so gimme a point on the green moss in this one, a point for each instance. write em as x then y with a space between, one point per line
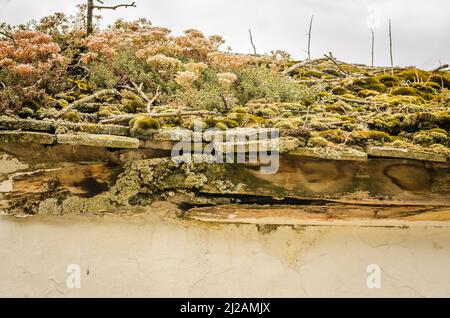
72 116
434 85
270 113
230 123
442 79
405 91
312 74
442 119
287 124
368 93
336 135
420 121
133 105
33 104
340 107
62 103
392 124
66 97
25 112
83 86
106 111
318 142
338 90
370 83
332 72
221 126
143 123
239 109
399 100
414 75
431 137
388 80
245 119
368 137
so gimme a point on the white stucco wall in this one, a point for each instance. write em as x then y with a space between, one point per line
153 255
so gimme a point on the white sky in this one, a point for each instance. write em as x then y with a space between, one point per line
421 29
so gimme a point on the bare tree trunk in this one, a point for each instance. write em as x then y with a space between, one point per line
309 36
90 17
90 12
373 45
390 47
251 41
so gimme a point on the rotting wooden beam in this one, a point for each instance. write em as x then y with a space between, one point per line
350 215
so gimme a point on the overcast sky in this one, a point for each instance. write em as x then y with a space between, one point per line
421 28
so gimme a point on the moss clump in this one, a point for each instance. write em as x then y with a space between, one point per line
405 91
368 93
442 119
64 96
106 111
370 83
25 112
221 126
239 110
390 124
414 75
311 73
143 123
297 133
368 137
340 107
388 80
62 103
332 72
399 100
431 137
442 79
72 117
336 136
270 113
244 119
434 85
420 121
318 142
287 124
133 105
338 90
230 123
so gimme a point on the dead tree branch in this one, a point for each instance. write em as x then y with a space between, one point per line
149 102
302 64
373 45
251 41
309 36
390 47
440 68
88 99
332 59
90 12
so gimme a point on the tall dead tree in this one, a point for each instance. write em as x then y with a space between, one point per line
251 41
309 36
91 6
390 47
373 45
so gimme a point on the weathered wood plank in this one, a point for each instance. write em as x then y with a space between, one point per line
377 181
323 215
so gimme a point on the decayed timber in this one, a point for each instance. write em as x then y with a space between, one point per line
376 181
336 214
